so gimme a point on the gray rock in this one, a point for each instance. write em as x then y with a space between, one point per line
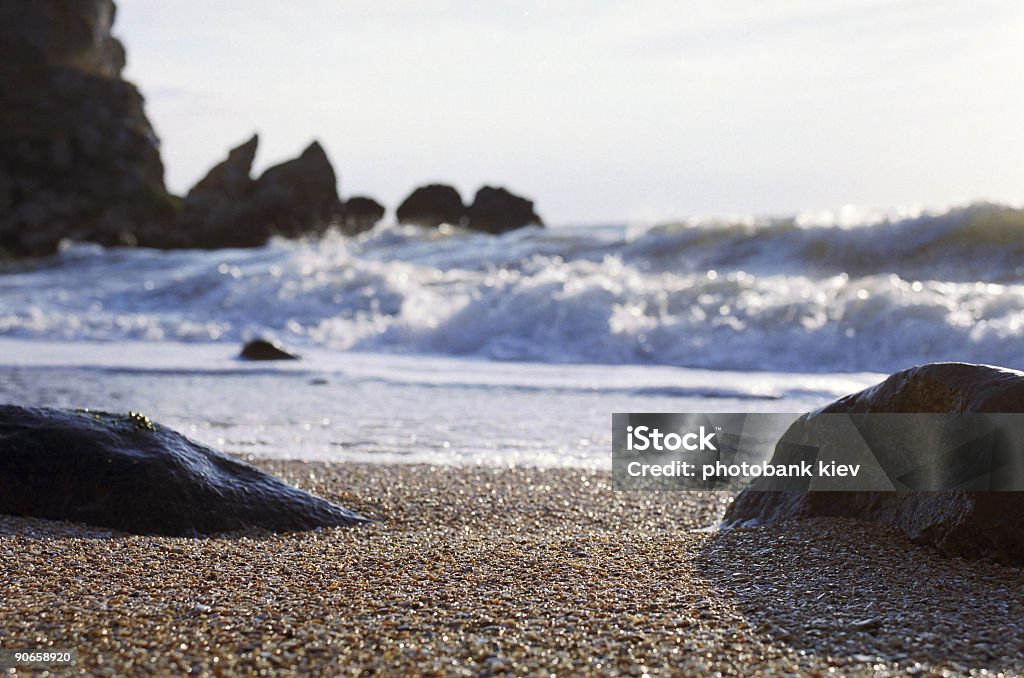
230 180
128 473
969 524
214 209
228 208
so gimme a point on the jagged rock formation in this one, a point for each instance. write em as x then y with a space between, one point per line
228 208
80 160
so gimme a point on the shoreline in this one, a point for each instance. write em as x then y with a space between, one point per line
470 570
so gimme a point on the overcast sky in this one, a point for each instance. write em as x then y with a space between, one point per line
601 111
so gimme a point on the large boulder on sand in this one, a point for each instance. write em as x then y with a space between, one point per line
431 206
78 157
496 210
128 473
970 524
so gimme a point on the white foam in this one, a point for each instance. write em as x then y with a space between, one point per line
748 295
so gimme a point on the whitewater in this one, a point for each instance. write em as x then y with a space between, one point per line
450 346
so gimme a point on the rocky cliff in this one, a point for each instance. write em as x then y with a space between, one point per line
78 157
80 160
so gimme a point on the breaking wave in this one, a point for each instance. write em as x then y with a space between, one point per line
797 294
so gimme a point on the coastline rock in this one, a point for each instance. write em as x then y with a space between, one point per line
969 524
360 214
261 349
432 205
229 180
78 156
297 197
228 208
130 474
213 214
496 210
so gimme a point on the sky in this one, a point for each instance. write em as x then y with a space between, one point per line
600 111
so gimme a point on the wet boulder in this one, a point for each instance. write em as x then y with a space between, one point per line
432 205
128 473
957 522
261 349
496 210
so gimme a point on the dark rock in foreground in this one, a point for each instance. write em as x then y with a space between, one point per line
496 210
431 206
261 349
959 523
127 473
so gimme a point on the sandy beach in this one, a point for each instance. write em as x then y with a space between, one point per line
490 571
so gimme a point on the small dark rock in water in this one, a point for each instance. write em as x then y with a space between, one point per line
496 210
431 206
969 524
131 474
261 349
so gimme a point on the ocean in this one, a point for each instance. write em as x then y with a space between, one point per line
462 348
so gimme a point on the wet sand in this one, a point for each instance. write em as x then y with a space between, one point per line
470 571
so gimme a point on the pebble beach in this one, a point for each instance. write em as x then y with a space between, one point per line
482 571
